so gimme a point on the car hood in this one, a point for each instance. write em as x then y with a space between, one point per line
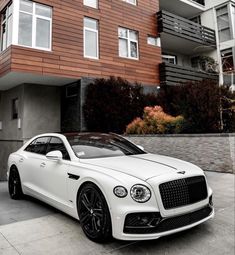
144 166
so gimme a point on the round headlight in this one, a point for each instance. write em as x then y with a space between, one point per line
140 193
120 191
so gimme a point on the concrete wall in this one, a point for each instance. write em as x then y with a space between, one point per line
6 148
41 110
212 3
210 152
10 128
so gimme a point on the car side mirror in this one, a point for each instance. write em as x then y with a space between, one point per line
140 147
54 155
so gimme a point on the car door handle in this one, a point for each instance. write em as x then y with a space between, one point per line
43 164
21 160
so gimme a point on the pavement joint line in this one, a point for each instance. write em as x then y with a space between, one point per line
10 244
121 247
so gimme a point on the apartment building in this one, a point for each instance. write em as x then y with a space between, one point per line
50 50
223 13
198 40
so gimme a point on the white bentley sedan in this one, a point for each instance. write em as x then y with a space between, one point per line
112 186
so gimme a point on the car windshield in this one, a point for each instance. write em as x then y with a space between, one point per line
88 145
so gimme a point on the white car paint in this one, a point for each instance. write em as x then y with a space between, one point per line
48 181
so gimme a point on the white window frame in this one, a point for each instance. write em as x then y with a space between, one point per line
5 21
169 57
84 38
92 6
157 40
34 26
129 40
15 26
228 9
232 18
130 2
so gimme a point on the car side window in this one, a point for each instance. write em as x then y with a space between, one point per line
56 144
38 146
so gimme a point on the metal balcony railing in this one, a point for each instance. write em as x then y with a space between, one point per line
171 74
184 28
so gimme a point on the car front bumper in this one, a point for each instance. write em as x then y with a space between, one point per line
119 230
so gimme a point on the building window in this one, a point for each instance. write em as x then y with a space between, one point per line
91 3
128 43
32 25
227 60
134 2
15 108
171 59
35 25
6 27
233 20
153 40
91 38
223 24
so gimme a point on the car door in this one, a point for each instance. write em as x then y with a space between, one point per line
54 174
30 164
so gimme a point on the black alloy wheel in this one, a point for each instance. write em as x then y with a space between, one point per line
94 214
14 184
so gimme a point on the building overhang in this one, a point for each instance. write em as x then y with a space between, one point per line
13 79
183 8
173 44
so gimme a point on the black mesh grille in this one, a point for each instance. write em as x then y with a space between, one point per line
183 192
168 224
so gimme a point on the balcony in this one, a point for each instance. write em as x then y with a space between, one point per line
183 35
171 74
183 8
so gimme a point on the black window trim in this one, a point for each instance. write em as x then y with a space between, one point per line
49 140
63 144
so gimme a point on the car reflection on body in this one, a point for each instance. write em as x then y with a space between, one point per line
112 186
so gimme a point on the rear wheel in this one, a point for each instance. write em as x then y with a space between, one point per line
14 184
94 214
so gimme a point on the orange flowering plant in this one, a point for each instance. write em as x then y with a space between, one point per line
156 121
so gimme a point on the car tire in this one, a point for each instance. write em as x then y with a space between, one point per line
94 214
14 184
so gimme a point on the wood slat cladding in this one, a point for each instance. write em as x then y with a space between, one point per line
66 57
5 62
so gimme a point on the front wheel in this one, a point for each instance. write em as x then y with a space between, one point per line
14 185
94 214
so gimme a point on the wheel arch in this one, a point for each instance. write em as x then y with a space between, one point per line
99 186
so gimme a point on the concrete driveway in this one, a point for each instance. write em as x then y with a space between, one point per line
31 227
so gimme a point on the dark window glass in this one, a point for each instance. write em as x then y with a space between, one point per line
102 145
56 144
38 146
15 108
227 60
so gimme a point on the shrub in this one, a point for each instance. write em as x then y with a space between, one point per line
155 121
201 104
112 103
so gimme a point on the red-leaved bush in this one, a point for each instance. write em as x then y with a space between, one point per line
156 121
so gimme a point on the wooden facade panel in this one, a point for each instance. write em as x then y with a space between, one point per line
5 62
66 57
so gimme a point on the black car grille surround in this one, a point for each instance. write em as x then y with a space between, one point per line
183 192
158 225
